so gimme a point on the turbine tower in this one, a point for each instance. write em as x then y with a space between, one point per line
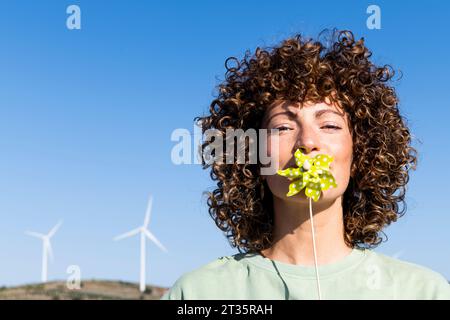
46 248
144 232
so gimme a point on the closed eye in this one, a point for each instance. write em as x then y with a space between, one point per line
331 127
283 128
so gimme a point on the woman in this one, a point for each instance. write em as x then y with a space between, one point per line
323 100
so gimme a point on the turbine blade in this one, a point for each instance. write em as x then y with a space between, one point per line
128 234
35 234
54 229
155 241
148 212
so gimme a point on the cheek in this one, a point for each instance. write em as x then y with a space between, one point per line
280 150
278 185
341 168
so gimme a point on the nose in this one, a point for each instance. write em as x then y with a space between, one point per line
307 142
305 149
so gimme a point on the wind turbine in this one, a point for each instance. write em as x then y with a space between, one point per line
46 248
144 232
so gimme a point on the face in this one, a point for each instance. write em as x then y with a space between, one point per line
315 129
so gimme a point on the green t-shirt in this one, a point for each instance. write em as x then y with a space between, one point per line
363 274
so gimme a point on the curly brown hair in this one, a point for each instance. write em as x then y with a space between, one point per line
301 70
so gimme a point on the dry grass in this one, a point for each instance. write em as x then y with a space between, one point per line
90 290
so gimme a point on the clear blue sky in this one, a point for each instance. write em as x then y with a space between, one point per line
86 117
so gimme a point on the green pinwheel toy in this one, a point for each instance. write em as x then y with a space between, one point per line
313 174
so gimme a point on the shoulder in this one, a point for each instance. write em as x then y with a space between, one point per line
207 280
410 280
400 268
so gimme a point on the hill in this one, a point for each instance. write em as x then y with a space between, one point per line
90 290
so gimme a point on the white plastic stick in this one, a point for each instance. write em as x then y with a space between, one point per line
314 249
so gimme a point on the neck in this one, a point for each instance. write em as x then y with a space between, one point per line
292 238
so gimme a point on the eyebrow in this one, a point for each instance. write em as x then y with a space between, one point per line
317 114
